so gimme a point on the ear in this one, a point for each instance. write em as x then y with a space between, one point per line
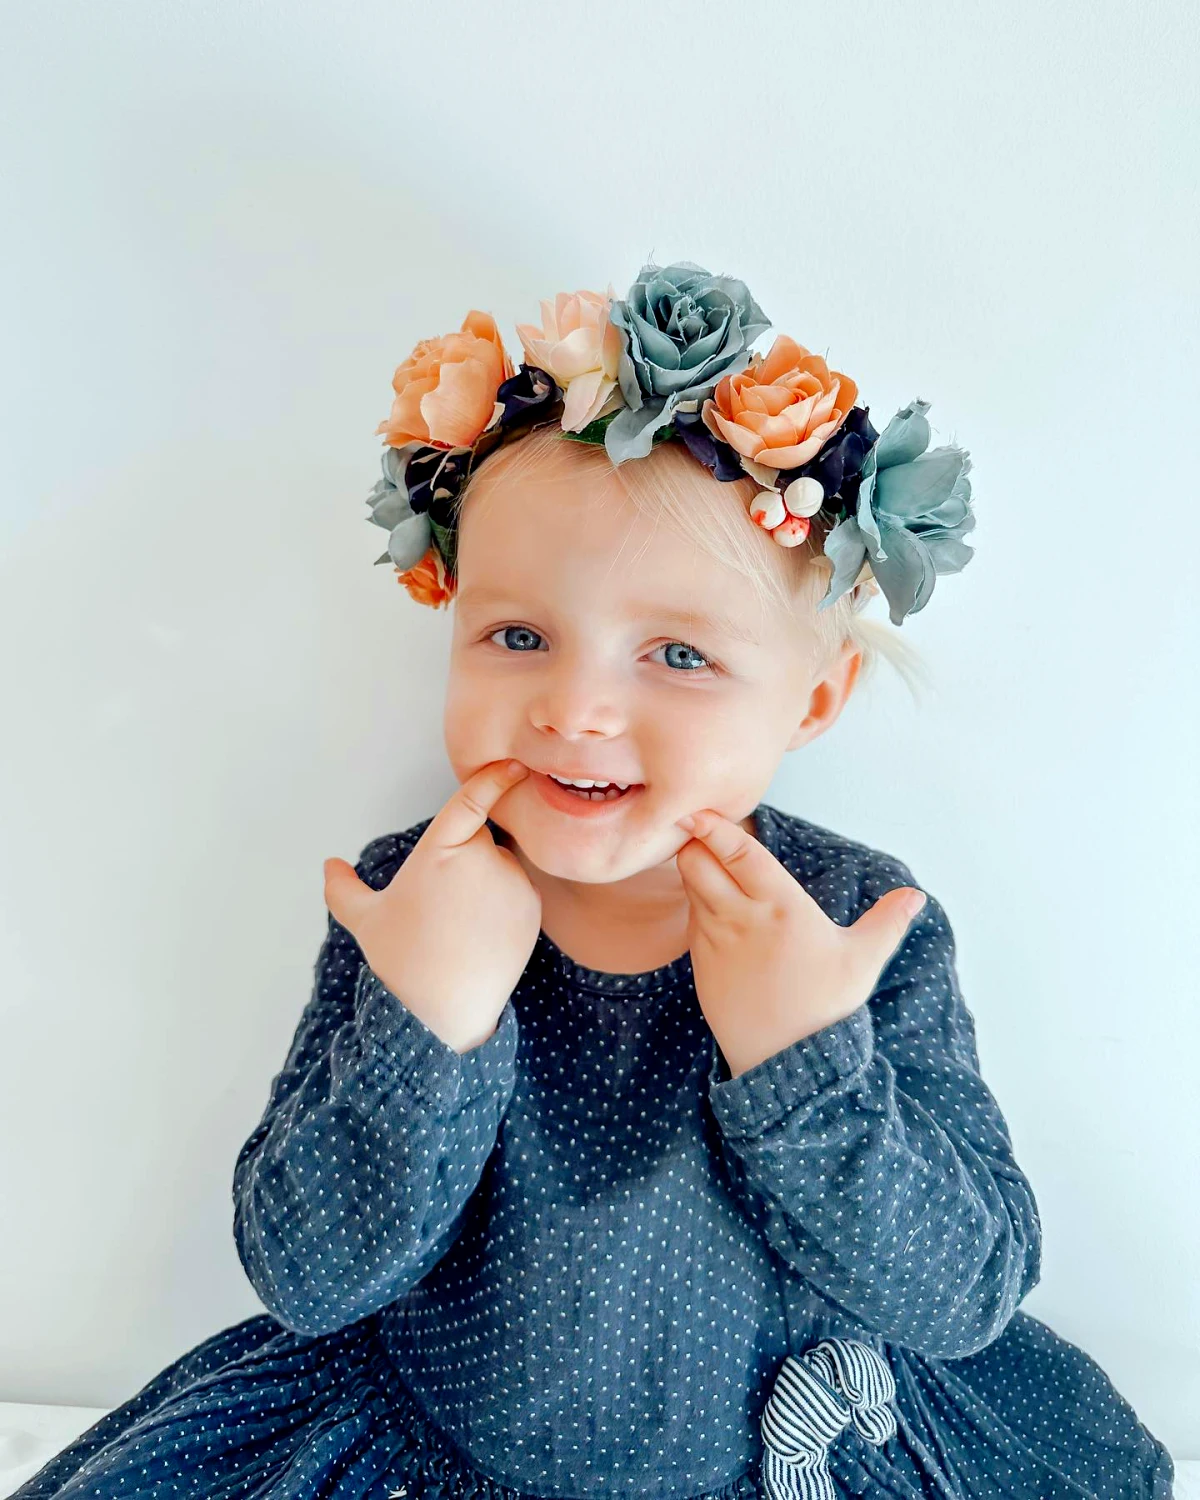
829 695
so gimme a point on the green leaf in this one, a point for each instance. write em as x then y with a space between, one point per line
446 540
594 431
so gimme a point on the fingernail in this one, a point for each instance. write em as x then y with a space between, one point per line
687 821
515 765
914 903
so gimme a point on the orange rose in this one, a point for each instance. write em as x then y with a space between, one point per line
780 411
427 582
446 388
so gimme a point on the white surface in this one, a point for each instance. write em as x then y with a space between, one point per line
29 1435
228 223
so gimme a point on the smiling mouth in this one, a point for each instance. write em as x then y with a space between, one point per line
554 788
596 794
600 786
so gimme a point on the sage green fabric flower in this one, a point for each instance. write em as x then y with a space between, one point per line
684 329
409 533
913 509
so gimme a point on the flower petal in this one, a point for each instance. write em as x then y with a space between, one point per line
630 434
920 486
409 541
905 573
948 553
738 435
791 457
844 547
459 409
575 354
586 394
905 437
389 505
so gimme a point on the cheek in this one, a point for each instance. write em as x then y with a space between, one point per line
700 740
711 760
476 722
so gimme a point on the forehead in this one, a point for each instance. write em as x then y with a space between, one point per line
569 538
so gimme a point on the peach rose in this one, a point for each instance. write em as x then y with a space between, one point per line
579 348
446 388
780 411
427 581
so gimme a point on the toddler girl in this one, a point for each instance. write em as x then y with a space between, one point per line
633 1141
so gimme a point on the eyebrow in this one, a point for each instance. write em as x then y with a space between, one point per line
709 620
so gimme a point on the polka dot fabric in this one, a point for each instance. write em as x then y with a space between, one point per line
570 1262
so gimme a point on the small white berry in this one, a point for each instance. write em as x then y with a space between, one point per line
767 509
804 497
792 531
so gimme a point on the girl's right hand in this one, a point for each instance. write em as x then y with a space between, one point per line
452 932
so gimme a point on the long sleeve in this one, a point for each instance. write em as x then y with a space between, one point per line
356 1180
876 1162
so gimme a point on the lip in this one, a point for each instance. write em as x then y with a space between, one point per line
580 807
582 776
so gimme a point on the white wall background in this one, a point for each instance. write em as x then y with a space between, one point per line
226 224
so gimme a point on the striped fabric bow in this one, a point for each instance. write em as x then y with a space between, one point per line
835 1382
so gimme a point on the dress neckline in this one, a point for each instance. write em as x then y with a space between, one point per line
667 977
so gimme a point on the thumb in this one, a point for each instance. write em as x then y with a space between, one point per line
883 927
346 896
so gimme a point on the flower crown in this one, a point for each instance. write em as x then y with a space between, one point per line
672 362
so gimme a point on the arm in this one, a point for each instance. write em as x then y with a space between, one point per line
356 1180
876 1161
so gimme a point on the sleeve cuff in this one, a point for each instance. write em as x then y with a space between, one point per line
410 1054
762 1095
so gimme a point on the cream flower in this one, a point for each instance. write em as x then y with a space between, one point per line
579 347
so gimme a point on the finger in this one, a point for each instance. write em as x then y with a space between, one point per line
346 896
883 927
751 867
708 885
468 809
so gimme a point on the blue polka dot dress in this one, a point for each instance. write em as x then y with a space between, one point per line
582 1260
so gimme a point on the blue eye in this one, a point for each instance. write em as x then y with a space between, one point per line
700 661
513 630
699 655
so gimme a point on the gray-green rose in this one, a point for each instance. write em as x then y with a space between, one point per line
913 509
684 330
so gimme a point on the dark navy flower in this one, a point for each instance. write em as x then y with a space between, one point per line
837 468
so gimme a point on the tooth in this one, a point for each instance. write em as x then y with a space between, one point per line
584 785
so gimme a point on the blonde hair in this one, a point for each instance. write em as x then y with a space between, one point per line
671 486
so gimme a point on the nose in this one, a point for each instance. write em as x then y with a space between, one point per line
574 699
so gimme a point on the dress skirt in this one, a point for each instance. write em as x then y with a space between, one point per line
258 1412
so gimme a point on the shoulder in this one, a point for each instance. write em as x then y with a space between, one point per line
843 874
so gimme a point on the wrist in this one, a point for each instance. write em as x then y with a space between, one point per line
754 1045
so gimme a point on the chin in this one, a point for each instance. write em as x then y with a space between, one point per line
570 849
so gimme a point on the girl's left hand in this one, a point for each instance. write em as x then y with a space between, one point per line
770 966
